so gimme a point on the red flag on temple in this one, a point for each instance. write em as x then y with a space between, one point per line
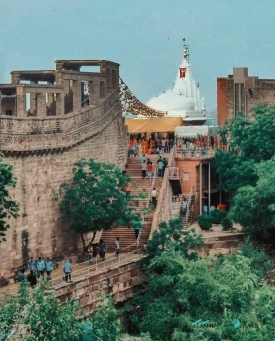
182 72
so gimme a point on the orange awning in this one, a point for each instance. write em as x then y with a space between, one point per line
153 125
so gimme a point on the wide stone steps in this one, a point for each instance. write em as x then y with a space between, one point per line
126 235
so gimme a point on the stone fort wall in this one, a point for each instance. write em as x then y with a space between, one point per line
42 152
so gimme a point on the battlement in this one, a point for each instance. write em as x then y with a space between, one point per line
42 93
28 134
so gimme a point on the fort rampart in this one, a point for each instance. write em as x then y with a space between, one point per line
42 147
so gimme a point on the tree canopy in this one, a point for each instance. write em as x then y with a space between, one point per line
94 199
249 142
254 206
172 235
226 292
247 170
8 207
37 315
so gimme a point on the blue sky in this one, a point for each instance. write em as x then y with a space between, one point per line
144 36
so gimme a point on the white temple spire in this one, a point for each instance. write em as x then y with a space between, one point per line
184 99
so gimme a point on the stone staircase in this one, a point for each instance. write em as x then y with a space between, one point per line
126 235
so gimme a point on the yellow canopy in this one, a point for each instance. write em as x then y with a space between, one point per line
153 125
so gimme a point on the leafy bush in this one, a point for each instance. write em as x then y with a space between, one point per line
227 223
220 290
217 216
259 260
205 222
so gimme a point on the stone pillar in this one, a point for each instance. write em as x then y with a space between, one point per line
102 89
108 80
115 83
76 95
91 92
0 103
41 104
96 99
20 102
60 104
15 79
50 99
33 99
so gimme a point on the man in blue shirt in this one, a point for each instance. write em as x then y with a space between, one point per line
32 266
22 278
143 159
67 270
48 267
40 266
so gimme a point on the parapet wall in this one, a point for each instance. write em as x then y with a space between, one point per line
50 133
121 281
42 152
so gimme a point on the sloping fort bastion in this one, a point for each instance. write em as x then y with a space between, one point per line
49 120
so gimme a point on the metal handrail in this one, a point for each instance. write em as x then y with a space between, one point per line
157 215
147 203
196 152
93 268
186 218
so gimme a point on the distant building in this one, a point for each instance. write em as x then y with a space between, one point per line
241 93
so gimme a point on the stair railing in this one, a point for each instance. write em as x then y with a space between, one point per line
147 203
163 211
186 218
99 265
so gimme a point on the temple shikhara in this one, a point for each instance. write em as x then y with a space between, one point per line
184 99
181 105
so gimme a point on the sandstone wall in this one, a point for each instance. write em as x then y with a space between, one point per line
122 281
42 161
263 94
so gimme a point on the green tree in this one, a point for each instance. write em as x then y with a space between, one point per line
172 235
223 291
106 324
254 206
249 142
94 200
8 207
36 315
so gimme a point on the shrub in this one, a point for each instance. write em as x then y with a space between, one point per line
227 223
205 222
217 216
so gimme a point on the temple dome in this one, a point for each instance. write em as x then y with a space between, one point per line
171 101
184 99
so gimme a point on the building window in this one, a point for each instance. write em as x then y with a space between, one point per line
185 176
9 112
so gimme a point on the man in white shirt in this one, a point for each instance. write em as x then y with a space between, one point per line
163 145
192 148
184 206
154 195
117 246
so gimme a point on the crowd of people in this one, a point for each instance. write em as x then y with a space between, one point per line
37 269
96 249
151 145
147 166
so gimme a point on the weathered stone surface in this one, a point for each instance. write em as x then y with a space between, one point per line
89 294
42 151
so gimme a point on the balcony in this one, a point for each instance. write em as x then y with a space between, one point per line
197 153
